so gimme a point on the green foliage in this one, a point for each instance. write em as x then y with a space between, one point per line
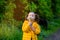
32 7
57 8
45 10
9 32
9 10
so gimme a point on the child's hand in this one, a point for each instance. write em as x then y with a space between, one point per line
30 24
33 29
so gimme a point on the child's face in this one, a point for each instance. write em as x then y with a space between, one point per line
31 16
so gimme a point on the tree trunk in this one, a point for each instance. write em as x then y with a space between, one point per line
18 11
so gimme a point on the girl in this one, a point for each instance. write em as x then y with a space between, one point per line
30 27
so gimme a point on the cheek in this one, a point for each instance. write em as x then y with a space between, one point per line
28 17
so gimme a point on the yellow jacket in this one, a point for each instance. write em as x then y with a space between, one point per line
28 34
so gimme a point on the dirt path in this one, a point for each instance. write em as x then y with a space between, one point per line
55 36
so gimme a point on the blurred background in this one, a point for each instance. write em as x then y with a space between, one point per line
13 12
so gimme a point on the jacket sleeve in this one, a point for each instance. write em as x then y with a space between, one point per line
37 29
25 27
